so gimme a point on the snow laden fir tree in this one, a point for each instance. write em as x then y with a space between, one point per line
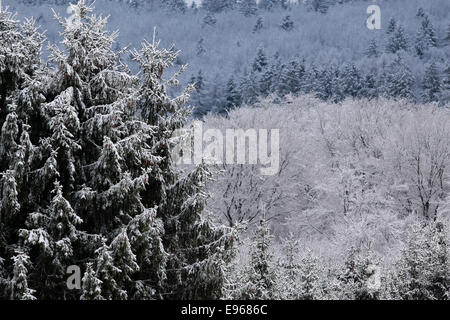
86 174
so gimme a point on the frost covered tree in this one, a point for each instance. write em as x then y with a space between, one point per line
372 50
370 88
269 4
398 80
90 172
423 272
233 96
258 25
431 84
351 82
200 97
261 273
445 97
175 5
426 37
19 283
260 61
309 278
215 6
195 245
290 269
359 268
323 84
287 24
91 285
397 41
392 25
54 236
22 78
318 5
248 7
420 13
201 47
291 77
447 36
269 80
209 20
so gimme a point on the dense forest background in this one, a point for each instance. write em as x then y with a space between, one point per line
358 210
238 52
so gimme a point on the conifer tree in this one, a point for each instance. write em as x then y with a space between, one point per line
423 273
194 244
233 96
88 173
19 283
199 96
370 88
248 7
447 37
289 283
439 261
215 6
398 81
260 61
260 272
287 24
309 276
107 272
372 50
420 13
270 79
291 77
269 4
234 280
22 82
397 41
53 234
258 25
312 76
209 20
413 272
392 25
175 5
359 268
319 5
431 84
445 97
351 81
91 285
323 84
200 47
426 37
249 87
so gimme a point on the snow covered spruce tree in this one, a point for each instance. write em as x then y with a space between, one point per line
355 279
426 36
248 7
431 83
19 282
196 249
289 282
260 274
101 189
310 277
398 41
21 81
423 272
